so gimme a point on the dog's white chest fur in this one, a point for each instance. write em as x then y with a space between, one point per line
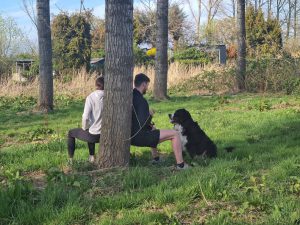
183 138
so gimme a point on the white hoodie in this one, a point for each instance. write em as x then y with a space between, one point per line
92 114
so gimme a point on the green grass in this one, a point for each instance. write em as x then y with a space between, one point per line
257 183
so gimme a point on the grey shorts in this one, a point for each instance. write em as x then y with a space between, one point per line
146 138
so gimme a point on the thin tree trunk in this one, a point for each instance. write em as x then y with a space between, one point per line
288 24
45 54
233 8
269 8
161 59
241 53
116 125
278 8
295 19
199 21
208 26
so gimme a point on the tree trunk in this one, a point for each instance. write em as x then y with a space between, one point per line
116 125
241 54
198 22
45 54
233 8
295 19
278 8
161 59
288 24
269 8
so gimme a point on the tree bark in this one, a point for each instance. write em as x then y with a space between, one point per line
45 54
116 125
288 24
295 19
161 59
241 54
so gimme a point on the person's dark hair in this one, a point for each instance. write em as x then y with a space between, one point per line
100 83
140 78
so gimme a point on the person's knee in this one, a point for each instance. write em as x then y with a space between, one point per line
175 133
70 133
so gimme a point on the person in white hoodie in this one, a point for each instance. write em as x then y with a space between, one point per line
91 122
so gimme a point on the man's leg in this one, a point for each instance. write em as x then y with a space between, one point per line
71 143
83 135
173 135
154 152
92 151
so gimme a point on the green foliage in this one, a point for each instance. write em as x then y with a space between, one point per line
192 56
99 53
19 103
71 42
273 75
141 58
263 37
208 81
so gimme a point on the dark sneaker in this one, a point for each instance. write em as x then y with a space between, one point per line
185 166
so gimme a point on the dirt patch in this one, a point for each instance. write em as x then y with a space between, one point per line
38 179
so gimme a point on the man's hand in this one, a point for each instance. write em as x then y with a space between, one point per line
153 127
151 111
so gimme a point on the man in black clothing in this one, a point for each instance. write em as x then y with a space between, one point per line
143 133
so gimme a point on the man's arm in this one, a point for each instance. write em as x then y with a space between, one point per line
86 114
142 110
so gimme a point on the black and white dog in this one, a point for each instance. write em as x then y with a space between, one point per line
193 138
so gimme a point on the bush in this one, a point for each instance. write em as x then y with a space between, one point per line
273 75
191 56
141 58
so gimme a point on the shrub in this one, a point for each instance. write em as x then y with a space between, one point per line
191 56
141 58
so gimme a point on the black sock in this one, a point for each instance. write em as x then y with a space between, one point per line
156 158
180 165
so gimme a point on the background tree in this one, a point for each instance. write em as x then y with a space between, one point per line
98 37
45 55
264 36
145 23
71 41
177 23
13 42
241 53
116 127
161 58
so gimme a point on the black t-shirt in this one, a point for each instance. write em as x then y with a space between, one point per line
140 113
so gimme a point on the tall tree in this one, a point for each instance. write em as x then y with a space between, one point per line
177 23
161 58
241 54
71 41
115 135
45 54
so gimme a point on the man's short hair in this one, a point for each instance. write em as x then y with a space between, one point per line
140 78
100 83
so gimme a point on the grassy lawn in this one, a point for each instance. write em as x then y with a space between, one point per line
257 183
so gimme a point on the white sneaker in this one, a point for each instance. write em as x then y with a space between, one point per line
70 161
91 159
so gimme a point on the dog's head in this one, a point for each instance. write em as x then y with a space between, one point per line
180 116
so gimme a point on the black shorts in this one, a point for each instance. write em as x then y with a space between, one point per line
146 138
